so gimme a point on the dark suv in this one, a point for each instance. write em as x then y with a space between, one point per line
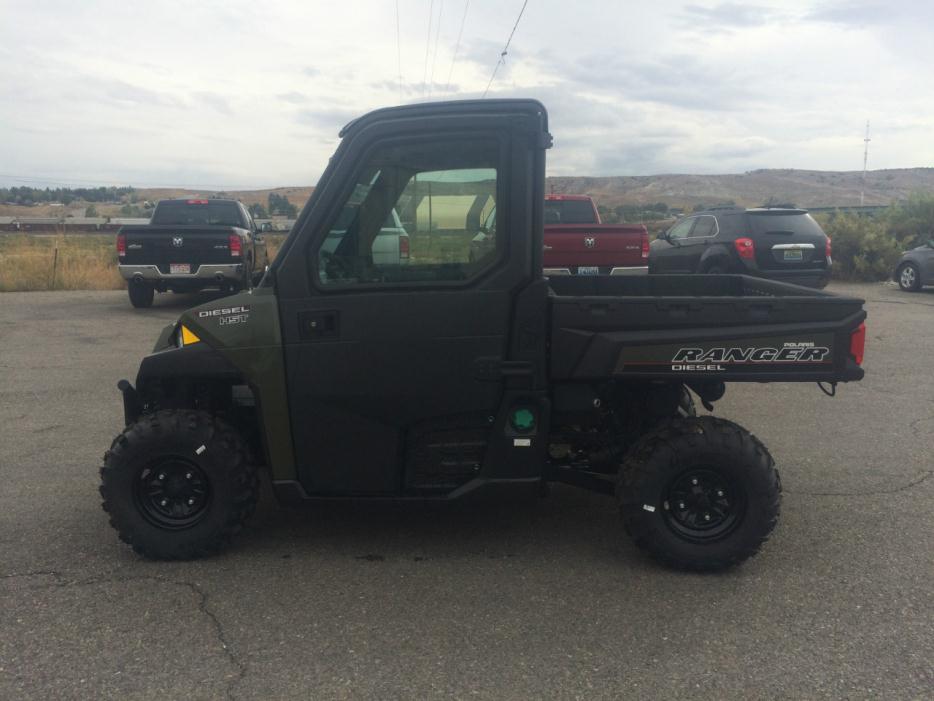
775 242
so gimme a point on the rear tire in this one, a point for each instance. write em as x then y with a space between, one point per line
178 484
699 494
141 294
909 277
714 269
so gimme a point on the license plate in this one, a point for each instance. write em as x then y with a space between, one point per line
794 254
180 268
588 270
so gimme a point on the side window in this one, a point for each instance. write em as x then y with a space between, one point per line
681 229
422 212
706 226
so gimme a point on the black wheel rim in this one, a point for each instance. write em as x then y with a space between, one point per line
173 494
703 504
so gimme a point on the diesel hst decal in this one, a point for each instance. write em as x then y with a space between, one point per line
223 311
228 315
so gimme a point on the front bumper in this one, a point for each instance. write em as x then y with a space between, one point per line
222 271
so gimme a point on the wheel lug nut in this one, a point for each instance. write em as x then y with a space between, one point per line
719 492
694 481
164 502
187 475
680 504
191 501
706 517
161 476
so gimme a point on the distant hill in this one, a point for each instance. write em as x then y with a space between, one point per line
804 188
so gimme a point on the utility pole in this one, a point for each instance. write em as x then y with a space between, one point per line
862 187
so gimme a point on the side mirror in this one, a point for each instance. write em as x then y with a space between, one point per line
931 243
663 236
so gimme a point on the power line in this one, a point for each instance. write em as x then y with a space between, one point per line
434 57
457 46
431 13
502 56
399 52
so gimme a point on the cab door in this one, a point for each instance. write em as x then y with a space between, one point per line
387 360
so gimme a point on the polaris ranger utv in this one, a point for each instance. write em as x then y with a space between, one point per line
347 377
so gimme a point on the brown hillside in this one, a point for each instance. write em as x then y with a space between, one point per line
804 188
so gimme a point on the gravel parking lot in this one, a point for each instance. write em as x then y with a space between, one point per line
546 599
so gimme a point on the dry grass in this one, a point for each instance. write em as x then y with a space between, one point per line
83 262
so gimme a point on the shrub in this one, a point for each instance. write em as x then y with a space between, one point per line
862 247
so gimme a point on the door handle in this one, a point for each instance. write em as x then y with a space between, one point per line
319 325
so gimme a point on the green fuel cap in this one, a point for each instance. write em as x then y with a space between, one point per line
523 420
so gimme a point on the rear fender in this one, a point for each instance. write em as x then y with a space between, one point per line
716 255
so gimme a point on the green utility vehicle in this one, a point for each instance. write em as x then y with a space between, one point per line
456 371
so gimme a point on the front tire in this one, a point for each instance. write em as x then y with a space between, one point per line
909 277
699 494
141 294
178 484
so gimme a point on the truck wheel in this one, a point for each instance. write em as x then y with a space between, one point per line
909 277
178 484
141 294
699 494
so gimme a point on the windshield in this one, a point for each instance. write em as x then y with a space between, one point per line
197 212
569 212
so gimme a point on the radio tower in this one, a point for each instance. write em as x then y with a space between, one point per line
862 186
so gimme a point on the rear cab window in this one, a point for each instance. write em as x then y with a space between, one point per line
569 212
198 213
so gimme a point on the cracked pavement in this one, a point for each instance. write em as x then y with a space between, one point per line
492 600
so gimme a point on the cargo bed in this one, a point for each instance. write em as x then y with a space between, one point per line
702 327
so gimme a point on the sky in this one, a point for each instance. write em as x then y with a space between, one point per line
236 95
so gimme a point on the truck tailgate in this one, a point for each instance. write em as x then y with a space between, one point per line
593 245
166 245
702 327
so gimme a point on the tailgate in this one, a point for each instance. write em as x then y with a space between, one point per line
165 246
743 330
593 245
788 241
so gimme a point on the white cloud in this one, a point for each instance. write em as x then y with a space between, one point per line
231 94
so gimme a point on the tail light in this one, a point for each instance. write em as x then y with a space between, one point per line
403 247
121 245
234 245
746 248
827 250
645 244
858 343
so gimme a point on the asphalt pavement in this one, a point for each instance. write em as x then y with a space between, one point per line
492 601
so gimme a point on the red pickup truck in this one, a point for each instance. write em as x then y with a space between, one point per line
578 243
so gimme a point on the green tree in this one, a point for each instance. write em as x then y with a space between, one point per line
279 204
90 211
258 211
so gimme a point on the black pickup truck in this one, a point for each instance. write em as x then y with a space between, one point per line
343 375
191 244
